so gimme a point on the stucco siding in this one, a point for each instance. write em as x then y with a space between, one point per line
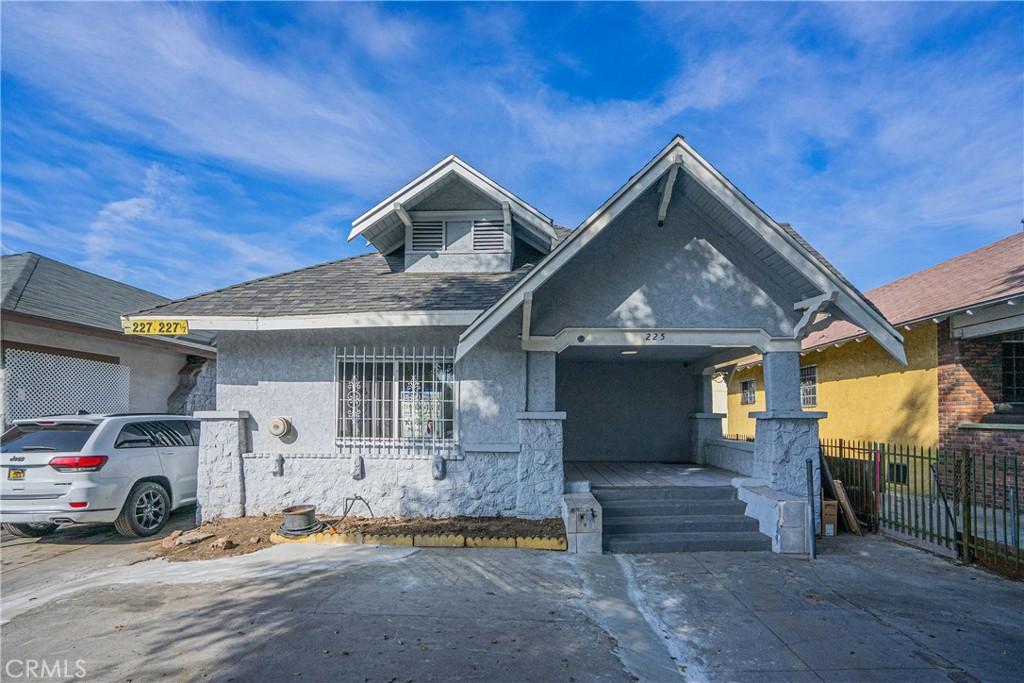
482 484
684 274
866 393
292 374
153 372
626 411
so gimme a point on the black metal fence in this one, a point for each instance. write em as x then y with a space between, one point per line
955 502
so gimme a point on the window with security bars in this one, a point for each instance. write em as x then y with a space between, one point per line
809 386
396 395
748 392
1013 368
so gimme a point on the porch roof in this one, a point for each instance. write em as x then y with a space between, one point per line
812 275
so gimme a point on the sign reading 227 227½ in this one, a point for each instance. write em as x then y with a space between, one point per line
157 327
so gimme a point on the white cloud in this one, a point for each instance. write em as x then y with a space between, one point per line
166 75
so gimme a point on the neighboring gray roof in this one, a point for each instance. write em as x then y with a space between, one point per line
358 284
36 285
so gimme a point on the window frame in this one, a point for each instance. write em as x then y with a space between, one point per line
1012 391
400 360
813 384
752 383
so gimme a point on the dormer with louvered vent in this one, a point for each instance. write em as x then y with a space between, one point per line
454 219
459 241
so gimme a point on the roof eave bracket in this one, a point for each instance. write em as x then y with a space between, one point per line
811 307
666 191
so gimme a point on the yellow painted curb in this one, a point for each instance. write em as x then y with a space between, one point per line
278 538
490 542
370 539
326 538
439 541
426 540
536 543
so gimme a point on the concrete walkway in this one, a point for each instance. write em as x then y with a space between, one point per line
869 609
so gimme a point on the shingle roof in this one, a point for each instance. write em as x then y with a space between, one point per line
358 284
990 273
36 285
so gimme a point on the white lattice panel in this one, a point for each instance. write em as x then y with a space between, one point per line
47 384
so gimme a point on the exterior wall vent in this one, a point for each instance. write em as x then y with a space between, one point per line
489 235
428 235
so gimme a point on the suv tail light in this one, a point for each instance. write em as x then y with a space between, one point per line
78 463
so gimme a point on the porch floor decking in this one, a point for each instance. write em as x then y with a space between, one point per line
639 474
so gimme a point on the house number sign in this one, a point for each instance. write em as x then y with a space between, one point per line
654 337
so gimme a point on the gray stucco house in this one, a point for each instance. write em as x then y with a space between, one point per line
481 350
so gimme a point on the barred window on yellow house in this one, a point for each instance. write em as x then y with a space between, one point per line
748 392
809 386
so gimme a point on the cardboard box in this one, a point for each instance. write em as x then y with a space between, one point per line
829 517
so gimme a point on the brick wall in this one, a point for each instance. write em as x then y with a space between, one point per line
970 384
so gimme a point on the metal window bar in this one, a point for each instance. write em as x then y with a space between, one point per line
396 396
809 386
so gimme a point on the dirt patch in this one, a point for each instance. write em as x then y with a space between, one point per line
245 534
500 527
249 534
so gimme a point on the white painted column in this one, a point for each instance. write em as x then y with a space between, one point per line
540 381
223 439
782 380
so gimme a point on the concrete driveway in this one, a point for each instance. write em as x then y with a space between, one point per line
867 610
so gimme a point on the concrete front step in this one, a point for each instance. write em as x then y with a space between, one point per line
612 509
678 523
663 493
686 542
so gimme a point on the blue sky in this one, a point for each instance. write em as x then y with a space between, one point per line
186 147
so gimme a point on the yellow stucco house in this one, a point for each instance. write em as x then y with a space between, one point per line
963 326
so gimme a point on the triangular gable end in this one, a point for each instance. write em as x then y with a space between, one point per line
382 225
679 156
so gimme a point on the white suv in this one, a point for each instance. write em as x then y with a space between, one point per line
131 470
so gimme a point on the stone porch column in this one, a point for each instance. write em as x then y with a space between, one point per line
540 474
223 438
785 435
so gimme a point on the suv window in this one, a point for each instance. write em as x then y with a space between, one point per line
175 433
146 434
65 438
136 435
193 426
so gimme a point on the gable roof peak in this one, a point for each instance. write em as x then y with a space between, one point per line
379 224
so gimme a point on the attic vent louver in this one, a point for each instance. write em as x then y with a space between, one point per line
489 235
428 235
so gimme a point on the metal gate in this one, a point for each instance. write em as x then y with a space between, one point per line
956 502
38 384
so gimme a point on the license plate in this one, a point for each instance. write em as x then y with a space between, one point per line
157 327
15 474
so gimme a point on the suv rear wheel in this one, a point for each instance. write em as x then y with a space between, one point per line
145 512
31 530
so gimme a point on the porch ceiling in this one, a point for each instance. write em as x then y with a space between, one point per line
681 354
